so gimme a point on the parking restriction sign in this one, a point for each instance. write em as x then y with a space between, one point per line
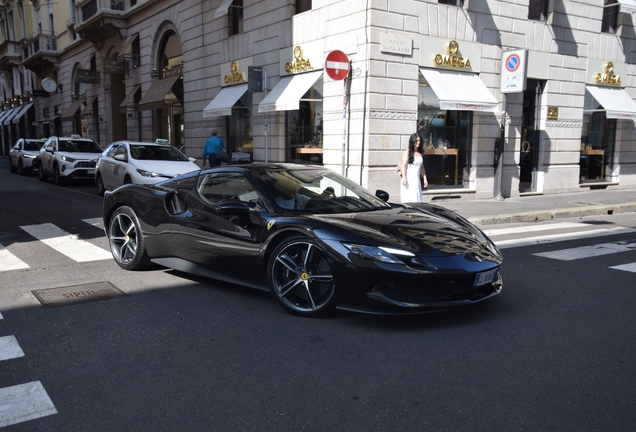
513 71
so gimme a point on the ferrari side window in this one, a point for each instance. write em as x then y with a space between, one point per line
216 188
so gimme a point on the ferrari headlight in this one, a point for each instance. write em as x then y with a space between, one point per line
147 173
382 254
68 159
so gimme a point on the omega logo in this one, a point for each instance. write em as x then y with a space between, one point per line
235 76
299 64
452 59
608 77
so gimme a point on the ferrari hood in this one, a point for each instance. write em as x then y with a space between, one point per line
423 228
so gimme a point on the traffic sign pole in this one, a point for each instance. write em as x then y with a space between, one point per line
337 66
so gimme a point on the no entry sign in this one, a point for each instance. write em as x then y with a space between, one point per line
337 65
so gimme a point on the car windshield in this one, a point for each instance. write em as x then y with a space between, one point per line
32 145
155 152
318 190
79 146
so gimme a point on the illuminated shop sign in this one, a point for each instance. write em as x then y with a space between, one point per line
452 59
608 76
299 64
235 76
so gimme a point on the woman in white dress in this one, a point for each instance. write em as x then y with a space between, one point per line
411 168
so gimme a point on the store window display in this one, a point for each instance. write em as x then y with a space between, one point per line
305 128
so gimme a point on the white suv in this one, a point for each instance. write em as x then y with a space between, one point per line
68 158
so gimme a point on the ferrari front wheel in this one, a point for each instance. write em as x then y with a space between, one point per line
126 240
300 277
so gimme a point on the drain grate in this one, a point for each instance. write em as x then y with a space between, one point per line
76 294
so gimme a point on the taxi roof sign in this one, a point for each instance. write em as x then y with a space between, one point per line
161 141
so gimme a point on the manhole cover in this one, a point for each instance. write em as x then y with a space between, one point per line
75 294
584 203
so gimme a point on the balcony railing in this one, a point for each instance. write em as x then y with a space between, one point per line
92 7
39 42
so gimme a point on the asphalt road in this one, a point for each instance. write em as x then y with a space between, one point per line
554 351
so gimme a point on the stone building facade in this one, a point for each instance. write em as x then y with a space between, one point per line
146 69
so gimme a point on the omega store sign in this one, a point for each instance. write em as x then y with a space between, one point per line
302 58
456 55
235 72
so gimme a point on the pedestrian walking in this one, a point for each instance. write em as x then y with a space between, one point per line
212 147
412 171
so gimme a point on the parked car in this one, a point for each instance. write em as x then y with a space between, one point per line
23 155
67 158
313 238
141 163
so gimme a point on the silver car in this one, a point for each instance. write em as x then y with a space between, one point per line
141 163
23 155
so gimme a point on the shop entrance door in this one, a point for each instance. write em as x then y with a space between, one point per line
530 137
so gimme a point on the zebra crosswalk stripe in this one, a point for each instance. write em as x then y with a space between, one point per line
24 402
588 251
631 267
67 244
8 261
9 348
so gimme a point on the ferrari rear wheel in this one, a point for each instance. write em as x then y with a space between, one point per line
301 278
126 240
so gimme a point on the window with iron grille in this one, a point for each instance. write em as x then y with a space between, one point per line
538 10
610 17
235 17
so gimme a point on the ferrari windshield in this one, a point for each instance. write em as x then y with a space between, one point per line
316 190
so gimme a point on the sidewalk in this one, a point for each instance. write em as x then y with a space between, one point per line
544 207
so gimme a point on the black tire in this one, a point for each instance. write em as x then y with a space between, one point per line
127 241
43 177
301 279
99 184
57 178
21 168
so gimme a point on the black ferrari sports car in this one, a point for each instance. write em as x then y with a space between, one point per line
314 238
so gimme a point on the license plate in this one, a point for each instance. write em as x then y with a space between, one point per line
485 278
90 171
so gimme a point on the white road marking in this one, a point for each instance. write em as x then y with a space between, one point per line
8 261
589 251
530 241
626 267
534 228
67 244
24 402
96 222
1 317
9 348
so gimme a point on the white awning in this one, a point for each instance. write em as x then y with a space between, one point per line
20 113
222 10
6 114
286 94
628 6
222 104
617 103
460 91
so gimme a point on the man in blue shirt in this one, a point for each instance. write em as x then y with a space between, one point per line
211 148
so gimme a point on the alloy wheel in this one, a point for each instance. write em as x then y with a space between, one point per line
126 240
301 278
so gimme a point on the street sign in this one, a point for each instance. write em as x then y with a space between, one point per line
513 71
337 65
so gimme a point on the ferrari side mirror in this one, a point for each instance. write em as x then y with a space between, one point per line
383 195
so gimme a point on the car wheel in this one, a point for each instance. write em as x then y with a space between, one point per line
99 183
43 177
301 278
126 240
57 178
21 168
12 167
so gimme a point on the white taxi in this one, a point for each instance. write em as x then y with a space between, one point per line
143 163
23 154
67 158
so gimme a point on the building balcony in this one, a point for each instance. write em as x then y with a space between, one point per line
10 55
39 53
99 20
